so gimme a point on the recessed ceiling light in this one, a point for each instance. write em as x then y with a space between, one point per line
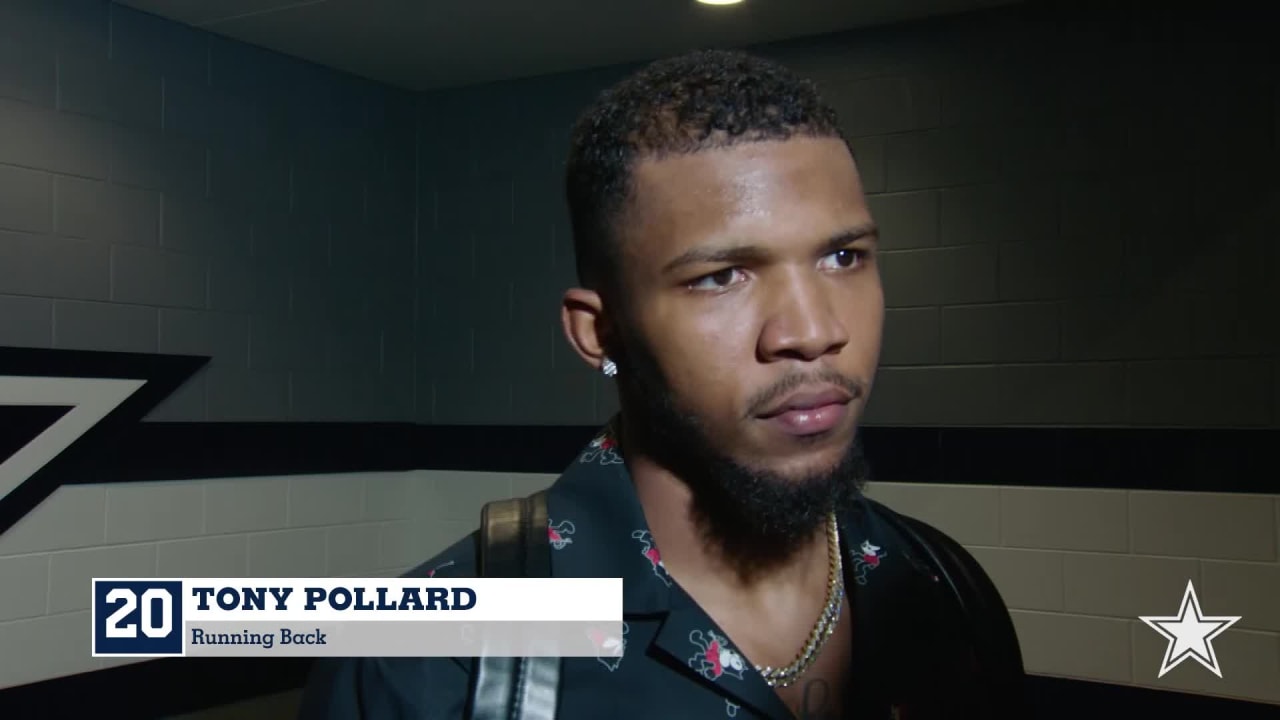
719 2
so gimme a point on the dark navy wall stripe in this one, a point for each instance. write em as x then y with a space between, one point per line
1187 459
169 451
1209 460
122 448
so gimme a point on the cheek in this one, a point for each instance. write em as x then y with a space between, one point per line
704 358
720 342
863 316
868 325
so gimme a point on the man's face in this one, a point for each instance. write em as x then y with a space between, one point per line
751 282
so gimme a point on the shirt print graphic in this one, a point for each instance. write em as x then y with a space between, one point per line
649 550
865 560
602 451
730 708
609 648
558 533
714 658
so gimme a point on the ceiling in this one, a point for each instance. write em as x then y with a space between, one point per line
429 44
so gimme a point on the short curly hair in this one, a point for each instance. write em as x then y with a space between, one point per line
684 104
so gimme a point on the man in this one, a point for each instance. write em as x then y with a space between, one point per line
729 285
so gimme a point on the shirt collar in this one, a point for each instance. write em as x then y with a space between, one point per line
598 529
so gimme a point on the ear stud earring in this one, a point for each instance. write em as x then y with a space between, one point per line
609 368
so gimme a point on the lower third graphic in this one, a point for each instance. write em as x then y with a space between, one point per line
1190 634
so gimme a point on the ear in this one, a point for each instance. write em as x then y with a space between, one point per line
582 313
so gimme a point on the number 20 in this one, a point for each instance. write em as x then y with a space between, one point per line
130 599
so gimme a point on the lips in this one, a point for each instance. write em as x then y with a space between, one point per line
808 400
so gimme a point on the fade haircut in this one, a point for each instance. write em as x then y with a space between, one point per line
698 101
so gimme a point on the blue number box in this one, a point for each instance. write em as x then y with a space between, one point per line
137 618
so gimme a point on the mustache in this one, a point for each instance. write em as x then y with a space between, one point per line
765 398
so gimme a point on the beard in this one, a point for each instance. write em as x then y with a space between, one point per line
758 518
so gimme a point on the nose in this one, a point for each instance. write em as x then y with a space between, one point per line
802 322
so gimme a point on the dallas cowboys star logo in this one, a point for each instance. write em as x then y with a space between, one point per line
1190 634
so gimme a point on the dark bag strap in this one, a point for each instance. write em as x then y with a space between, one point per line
996 650
513 544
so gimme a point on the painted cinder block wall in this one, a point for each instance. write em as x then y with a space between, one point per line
163 190
1068 241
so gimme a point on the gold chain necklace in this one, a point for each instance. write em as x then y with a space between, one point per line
825 627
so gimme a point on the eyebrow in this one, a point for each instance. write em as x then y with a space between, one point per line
749 254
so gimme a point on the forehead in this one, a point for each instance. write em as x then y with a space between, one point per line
767 193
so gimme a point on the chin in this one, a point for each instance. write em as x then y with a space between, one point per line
802 465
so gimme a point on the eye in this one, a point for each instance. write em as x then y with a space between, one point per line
717 280
842 259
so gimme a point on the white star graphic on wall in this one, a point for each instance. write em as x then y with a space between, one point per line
90 400
1190 634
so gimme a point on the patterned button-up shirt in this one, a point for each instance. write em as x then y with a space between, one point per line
673 661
